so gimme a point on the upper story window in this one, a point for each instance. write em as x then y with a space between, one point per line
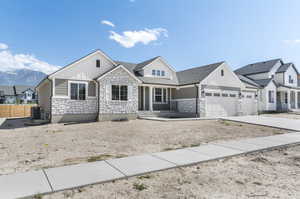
98 63
153 72
222 73
159 73
119 92
290 79
78 91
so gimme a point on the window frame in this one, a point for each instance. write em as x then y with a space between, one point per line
163 73
158 73
153 72
163 95
78 82
119 92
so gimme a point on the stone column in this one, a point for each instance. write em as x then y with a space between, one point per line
150 98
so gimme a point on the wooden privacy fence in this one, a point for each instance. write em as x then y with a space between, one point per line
13 110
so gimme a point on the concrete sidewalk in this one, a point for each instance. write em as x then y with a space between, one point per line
67 177
282 123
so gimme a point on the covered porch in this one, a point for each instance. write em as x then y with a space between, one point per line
287 98
155 98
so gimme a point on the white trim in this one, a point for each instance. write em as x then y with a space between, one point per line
158 85
78 82
119 100
80 60
53 87
120 66
150 98
187 86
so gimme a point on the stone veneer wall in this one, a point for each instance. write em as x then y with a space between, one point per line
110 109
61 106
186 105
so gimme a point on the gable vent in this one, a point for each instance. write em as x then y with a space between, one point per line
98 63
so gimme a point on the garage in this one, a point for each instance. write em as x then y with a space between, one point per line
249 105
221 103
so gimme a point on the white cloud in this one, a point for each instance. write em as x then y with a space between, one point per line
294 41
11 62
109 23
129 38
3 46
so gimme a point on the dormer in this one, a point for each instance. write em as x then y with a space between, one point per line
156 67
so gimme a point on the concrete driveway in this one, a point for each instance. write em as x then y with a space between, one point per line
276 122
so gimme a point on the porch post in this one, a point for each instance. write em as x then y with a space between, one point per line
144 95
150 99
289 99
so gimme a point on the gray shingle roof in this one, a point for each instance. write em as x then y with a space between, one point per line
259 67
145 63
283 68
248 80
196 75
263 82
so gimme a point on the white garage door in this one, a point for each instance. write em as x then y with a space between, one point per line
249 106
221 103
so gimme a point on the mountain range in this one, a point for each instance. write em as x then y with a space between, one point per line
21 77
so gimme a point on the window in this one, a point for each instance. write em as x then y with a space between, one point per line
222 73
290 79
158 72
232 95
224 95
160 95
271 96
153 72
119 92
286 98
163 73
78 91
208 94
249 96
98 63
217 94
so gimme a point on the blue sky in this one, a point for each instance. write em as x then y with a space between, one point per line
186 33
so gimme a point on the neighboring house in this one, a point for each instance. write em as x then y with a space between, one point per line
17 94
278 82
97 87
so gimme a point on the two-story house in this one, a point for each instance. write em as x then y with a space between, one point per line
97 87
278 83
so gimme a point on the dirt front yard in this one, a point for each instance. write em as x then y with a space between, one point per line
272 174
53 145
